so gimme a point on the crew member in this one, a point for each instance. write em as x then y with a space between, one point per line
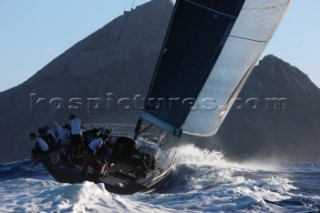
51 138
96 152
39 145
62 133
76 135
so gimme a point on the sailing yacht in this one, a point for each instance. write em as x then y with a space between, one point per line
210 49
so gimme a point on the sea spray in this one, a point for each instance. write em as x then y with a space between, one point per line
201 181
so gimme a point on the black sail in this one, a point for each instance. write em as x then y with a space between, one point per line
198 31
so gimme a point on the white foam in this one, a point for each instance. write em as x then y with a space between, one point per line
230 184
191 155
50 196
202 181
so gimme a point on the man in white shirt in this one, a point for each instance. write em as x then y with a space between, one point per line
63 134
51 138
76 135
39 145
95 145
95 148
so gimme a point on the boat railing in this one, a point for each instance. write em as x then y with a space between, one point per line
123 130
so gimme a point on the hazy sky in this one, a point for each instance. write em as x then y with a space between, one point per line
34 32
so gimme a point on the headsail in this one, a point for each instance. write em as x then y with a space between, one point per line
210 50
198 32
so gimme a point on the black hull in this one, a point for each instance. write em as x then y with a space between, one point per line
66 172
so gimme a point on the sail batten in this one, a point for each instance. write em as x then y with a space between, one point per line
249 39
212 10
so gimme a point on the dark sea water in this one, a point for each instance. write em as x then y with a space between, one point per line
202 181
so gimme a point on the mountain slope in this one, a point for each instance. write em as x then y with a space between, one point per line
119 58
289 133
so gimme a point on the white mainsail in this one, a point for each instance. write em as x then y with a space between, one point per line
250 35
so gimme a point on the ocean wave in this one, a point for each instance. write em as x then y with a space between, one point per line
202 180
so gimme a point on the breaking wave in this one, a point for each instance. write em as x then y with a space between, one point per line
201 181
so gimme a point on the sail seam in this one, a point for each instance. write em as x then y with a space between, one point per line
212 10
268 8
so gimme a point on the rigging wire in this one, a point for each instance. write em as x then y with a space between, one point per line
125 5
106 70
